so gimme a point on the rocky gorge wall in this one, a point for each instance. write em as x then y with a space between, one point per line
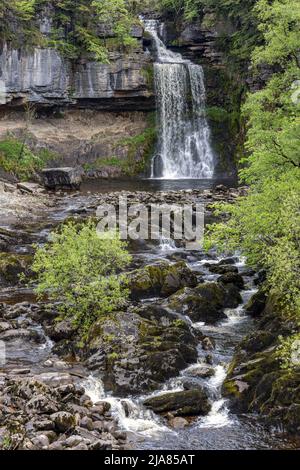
199 41
121 96
45 77
98 115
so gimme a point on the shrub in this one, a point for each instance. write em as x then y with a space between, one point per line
81 270
18 159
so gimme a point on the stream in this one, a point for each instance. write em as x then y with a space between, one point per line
220 429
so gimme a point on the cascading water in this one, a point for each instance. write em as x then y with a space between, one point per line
184 149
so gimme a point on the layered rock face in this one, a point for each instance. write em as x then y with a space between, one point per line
88 113
44 77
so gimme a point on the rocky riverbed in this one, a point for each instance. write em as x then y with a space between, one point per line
151 374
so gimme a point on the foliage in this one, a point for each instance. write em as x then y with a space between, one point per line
288 352
216 113
18 159
266 223
81 270
77 27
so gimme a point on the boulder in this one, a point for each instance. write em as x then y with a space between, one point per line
32 188
202 371
142 353
61 330
57 178
232 278
256 304
183 403
161 279
11 266
63 420
178 423
203 303
222 269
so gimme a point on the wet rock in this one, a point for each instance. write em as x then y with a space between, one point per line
256 382
208 344
57 178
54 379
232 278
178 423
228 261
29 334
61 330
14 311
203 371
256 304
260 278
203 303
192 383
142 353
222 269
185 403
4 326
63 420
161 279
232 296
12 266
19 371
101 408
209 359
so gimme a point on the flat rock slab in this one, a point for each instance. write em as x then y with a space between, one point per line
184 403
56 178
31 188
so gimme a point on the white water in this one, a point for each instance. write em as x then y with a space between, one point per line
130 414
143 424
184 149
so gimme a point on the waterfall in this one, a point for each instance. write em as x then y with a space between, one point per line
184 149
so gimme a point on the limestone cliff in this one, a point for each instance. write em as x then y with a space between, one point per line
45 77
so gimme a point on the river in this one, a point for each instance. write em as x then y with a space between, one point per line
220 429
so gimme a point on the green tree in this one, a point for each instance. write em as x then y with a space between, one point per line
266 223
82 270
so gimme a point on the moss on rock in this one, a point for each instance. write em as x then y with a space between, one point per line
12 266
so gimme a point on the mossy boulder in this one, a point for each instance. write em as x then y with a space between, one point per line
222 269
136 351
232 278
256 382
256 304
206 302
161 279
185 403
11 266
